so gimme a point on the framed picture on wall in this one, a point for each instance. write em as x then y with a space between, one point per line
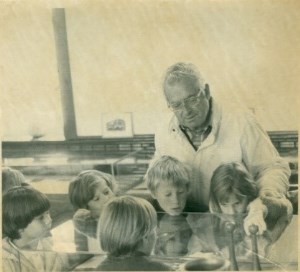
115 125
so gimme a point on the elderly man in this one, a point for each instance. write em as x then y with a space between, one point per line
205 135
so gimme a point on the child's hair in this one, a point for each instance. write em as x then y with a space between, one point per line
82 188
10 178
20 205
124 222
167 169
227 179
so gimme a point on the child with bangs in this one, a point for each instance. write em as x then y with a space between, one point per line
88 193
168 180
232 191
128 233
26 222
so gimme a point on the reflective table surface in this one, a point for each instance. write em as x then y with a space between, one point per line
200 241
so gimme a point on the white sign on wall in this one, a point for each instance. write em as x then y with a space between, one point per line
116 125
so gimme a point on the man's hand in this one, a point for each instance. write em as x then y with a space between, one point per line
280 213
257 212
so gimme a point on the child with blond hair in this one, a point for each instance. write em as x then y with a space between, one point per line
128 234
168 181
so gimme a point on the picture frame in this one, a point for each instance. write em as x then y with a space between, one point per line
117 125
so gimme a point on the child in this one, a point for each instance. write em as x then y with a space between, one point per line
128 234
11 178
168 181
232 189
88 193
27 223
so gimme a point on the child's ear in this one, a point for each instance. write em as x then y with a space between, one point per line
145 240
21 231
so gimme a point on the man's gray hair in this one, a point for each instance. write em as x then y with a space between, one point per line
182 71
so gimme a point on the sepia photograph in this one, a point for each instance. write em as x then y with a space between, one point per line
146 135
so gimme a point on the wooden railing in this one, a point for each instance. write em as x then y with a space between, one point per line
286 142
81 148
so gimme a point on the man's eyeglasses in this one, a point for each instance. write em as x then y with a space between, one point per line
191 101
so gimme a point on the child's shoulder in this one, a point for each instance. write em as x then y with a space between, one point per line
7 249
45 243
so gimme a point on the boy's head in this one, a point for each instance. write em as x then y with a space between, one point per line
127 225
25 214
231 189
90 190
10 178
168 180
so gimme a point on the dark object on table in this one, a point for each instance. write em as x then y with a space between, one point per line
207 263
229 228
253 229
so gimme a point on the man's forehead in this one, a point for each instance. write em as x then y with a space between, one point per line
181 90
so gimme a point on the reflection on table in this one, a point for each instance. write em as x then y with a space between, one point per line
201 237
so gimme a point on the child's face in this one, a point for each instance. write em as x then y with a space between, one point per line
102 194
172 199
38 228
234 205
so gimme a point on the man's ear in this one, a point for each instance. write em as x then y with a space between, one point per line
207 91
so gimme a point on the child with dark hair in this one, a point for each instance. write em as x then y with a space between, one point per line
26 222
88 193
232 191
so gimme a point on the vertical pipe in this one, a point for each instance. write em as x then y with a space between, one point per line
64 72
253 229
229 227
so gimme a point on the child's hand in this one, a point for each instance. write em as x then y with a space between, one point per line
256 214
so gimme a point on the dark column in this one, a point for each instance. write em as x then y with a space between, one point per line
64 72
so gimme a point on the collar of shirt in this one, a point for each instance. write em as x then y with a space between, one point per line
208 123
196 139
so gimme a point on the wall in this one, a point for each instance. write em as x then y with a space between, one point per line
248 51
